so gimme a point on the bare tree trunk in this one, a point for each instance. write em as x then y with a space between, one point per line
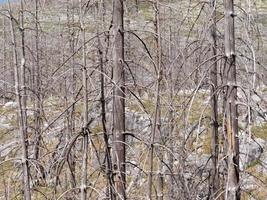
232 184
27 192
119 100
37 102
22 69
4 60
214 178
21 101
158 133
85 111
71 118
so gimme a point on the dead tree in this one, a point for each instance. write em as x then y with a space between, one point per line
85 110
37 80
232 182
4 35
21 98
71 117
118 147
214 178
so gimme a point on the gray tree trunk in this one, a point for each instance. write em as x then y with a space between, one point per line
118 147
4 60
232 184
85 111
37 78
214 179
21 101
71 118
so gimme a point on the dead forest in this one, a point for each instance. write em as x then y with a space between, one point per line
133 99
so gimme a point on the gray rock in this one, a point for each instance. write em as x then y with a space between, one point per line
136 122
250 150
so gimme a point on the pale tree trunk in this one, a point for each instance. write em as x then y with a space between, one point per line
20 98
232 184
214 177
85 111
37 102
118 100
158 134
4 60
22 69
66 127
71 118
26 174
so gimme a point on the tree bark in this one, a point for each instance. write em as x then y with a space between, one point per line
37 102
20 98
4 60
214 178
85 111
232 184
71 118
118 100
